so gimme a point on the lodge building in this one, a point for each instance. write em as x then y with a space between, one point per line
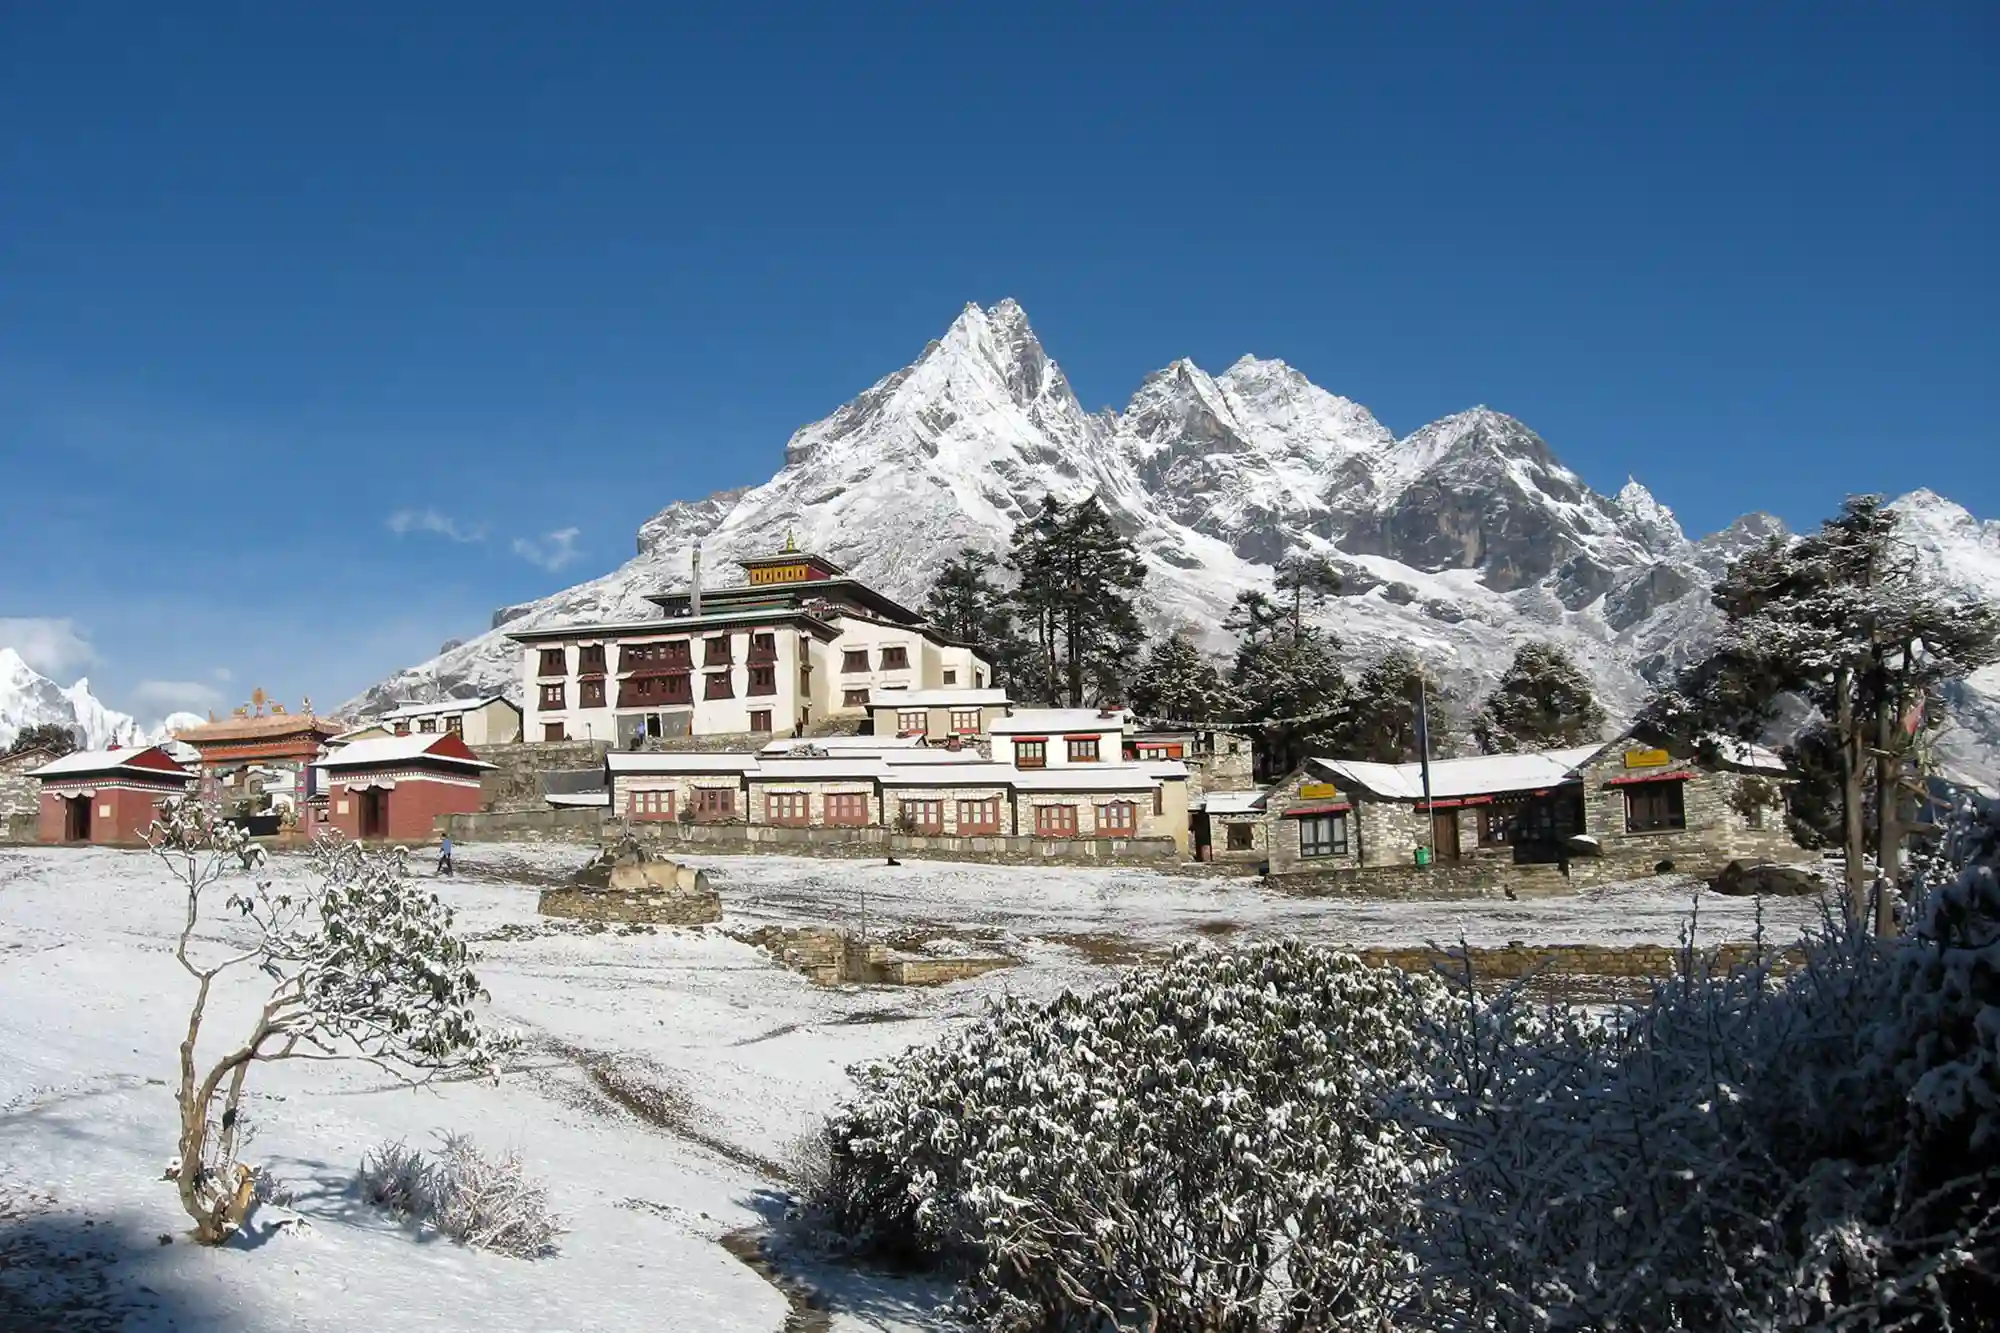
798 643
1625 807
1085 790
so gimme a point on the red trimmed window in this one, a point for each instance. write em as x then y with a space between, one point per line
714 802
1118 819
846 807
763 647
912 723
552 697
1655 807
760 718
854 699
403 725
1055 821
1323 835
1082 749
717 686
590 661
1031 754
763 679
455 724
853 660
979 816
787 807
652 805
925 816
592 693
554 663
965 721
715 651
427 725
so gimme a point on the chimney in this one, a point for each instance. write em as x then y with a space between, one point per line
694 596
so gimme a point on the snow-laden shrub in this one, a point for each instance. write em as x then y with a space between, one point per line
1196 1147
1744 1150
489 1203
395 1178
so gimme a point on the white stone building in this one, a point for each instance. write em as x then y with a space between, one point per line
489 720
799 643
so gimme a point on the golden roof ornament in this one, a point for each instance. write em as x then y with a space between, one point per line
258 699
791 543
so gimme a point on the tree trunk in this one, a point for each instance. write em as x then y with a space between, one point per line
1853 816
1888 814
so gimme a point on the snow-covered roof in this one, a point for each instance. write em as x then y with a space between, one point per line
1235 802
625 761
833 768
1481 775
399 749
1037 721
444 706
1087 777
578 798
952 697
849 743
984 774
146 759
930 755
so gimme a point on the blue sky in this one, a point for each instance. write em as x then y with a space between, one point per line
271 274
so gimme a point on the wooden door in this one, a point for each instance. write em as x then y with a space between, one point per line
374 813
76 819
1444 834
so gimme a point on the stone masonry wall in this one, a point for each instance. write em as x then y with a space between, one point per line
19 793
515 781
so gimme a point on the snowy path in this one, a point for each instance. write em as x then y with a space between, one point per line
665 1078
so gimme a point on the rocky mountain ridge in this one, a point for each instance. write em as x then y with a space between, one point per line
1458 540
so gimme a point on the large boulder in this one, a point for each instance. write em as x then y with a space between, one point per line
1744 880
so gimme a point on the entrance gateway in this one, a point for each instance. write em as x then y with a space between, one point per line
76 818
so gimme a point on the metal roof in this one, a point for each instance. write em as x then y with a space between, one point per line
448 706
395 750
1036 721
945 697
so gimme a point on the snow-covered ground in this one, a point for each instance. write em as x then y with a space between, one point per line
729 1057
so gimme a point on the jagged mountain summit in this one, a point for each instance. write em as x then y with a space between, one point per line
1459 540
28 698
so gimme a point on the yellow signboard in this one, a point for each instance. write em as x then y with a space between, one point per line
1317 791
780 574
1647 759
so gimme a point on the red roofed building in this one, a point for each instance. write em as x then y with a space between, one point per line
106 796
394 787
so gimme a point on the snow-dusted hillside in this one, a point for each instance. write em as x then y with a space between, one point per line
1461 539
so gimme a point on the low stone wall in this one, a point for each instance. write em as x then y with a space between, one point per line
1565 961
648 907
827 957
573 824
1469 879
16 828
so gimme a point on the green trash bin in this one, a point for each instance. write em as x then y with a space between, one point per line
1423 856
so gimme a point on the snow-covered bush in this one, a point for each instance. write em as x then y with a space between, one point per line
361 964
489 1203
1196 1147
395 1178
1745 1150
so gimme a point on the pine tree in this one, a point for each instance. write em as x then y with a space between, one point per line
1177 682
51 736
1305 582
965 604
1382 723
1297 691
1843 620
1076 577
1541 702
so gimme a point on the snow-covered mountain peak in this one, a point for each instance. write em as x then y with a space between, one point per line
1648 520
28 698
1957 550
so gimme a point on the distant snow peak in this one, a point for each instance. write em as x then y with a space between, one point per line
1650 521
28 699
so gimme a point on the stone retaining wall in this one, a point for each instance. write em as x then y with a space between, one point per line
515 781
1631 961
19 793
654 908
16 828
1471 879
584 824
